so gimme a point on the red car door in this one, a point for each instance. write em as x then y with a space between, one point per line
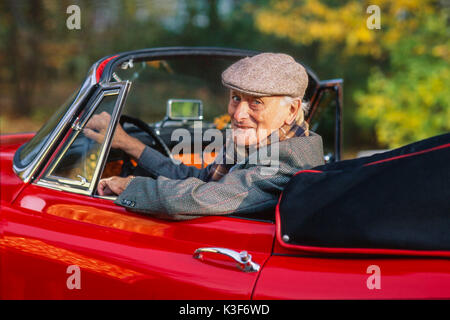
290 274
61 241
59 245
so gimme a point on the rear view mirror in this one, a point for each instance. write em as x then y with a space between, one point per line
184 109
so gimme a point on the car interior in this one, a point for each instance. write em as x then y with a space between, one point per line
181 92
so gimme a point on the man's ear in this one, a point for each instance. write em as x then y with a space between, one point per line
294 109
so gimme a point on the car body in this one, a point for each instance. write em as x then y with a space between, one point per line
59 240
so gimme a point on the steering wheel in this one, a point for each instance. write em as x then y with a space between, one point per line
128 167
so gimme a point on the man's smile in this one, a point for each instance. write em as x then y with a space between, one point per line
242 126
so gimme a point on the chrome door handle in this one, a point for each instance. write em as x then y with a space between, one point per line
243 259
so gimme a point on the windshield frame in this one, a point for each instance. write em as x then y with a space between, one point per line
27 171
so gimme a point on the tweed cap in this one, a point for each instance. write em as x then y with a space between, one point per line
267 74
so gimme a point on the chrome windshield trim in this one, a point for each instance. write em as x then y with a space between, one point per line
112 198
28 173
63 181
123 92
61 187
87 187
81 124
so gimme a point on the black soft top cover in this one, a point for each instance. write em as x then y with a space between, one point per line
393 200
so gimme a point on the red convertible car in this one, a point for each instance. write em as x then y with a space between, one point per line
354 234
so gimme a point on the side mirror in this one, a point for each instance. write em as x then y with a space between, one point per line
184 109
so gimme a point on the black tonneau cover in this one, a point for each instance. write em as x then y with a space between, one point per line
394 200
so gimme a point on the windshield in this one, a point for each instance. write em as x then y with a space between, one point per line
155 82
29 151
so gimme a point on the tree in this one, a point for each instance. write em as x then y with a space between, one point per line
411 101
405 96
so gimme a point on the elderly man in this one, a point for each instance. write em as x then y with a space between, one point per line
266 94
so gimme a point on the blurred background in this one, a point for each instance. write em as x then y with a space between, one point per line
396 78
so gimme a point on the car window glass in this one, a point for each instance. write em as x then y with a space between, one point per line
323 121
30 150
79 161
187 77
180 79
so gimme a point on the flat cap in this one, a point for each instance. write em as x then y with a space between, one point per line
267 74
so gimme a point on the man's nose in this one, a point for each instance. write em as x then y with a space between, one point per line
241 112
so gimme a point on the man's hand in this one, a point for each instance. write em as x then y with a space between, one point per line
113 185
98 125
96 130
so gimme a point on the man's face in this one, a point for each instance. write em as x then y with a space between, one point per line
254 118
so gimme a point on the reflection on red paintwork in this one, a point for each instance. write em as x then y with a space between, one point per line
52 253
108 219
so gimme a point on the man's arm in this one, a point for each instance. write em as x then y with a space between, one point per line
148 159
241 191
160 165
96 130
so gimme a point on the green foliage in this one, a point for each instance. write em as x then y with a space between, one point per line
411 100
396 78
406 96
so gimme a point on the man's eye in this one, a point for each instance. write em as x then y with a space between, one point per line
256 104
236 98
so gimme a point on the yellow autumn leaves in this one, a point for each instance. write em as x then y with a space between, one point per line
222 121
343 23
401 87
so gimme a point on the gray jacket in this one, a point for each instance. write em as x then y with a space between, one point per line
182 192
